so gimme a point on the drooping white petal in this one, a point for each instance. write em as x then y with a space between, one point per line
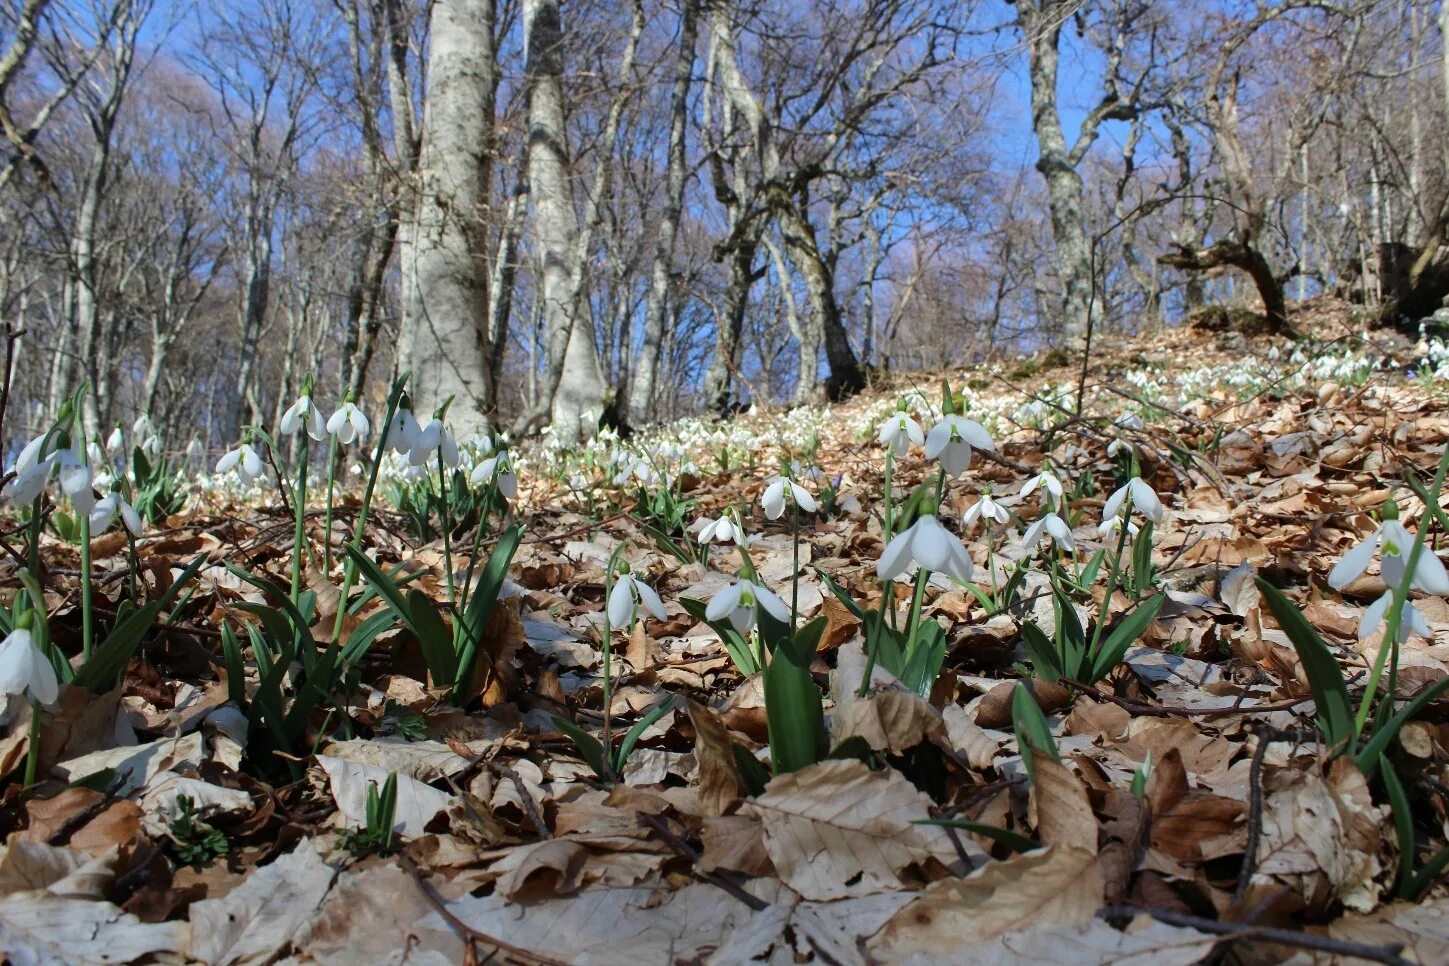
895 558
130 519
937 439
15 662
724 601
1060 532
930 543
1146 500
955 457
650 600
1113 506
774 499
1352 564
1429 573
621 603
803 499
772 603
1034 533
251 462
1373 615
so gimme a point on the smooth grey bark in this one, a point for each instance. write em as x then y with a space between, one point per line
576 399
444 333
102 107
1041 23
642 380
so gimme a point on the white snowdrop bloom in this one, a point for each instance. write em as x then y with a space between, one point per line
927 544
25 670
244 460
1395 542
116 442
105 512
304 414
1143 499
773 499
1048 481
402 432
151 446
1129 420
737 602
1410 620
985 509
76 481
628 592
1114 525
722 530
194 449
501 467
349 423
952 439
899 431
1053 526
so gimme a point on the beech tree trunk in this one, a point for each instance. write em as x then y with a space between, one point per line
445 280
577 397
641 381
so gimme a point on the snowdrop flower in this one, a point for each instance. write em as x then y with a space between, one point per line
985 509
501 467
194 450
94 454
1410 620
25 670
738 600
32 469
76 481
116 442
774 498
1395 542
1123 446
628 594
952 439
723 530
1142 499
151 446
402 432
1051 525
899 431
930 546
1129 420
1048 481
349 423
106 509
304 413
244 460
1114 525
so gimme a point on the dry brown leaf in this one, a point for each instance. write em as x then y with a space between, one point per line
838 829
1061 810
719 780
1055 886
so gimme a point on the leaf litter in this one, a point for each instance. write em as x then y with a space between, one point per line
1190 809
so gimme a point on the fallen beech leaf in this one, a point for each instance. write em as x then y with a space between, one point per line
1055 886
417 803
258 918
719 779
838 829
1062 811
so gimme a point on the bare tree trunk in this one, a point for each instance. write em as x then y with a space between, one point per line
577 397
445 299
725 361
641 383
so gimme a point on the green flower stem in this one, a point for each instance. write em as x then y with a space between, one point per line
1396 607
1114 573
299 533
87 593
327 521
489 495
349 576
446 524
32 750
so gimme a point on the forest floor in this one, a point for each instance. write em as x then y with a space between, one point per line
1192 812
